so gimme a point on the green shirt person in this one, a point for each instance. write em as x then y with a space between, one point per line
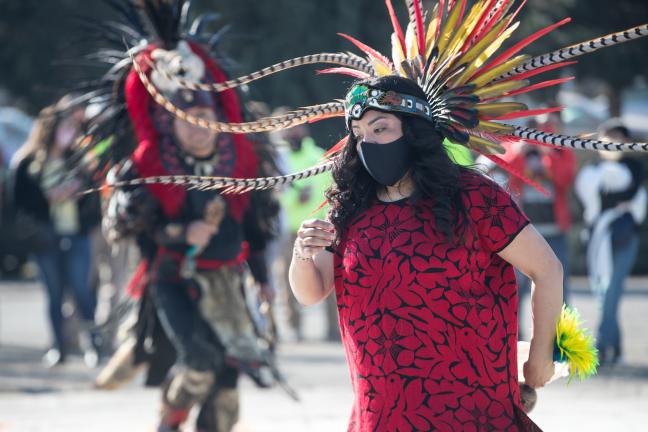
302 199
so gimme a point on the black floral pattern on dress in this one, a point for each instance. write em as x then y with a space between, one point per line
430 328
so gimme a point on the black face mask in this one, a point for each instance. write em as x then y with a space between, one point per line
386 163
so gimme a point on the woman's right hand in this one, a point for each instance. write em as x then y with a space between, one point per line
313 236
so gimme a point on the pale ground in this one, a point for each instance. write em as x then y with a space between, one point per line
33 399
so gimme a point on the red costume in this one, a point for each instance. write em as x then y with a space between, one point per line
430 328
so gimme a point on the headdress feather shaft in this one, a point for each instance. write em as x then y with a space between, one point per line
341 59
582 48
268 124
227 184
456 58
556 140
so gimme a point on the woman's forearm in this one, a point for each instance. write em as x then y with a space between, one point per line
546 304
306 281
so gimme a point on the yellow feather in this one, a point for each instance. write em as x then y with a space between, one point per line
430 35
380 68
397 54
461 34
449 27
411 41
497 109
496 128
484 145
480 46
489 76
490 50
481 53
499 89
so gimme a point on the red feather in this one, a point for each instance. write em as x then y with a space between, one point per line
538 71
336 148
461 12
510 169
420 31
345 71
440 23
367 49
494 20
525 113
512 17
533 87
518 47
471 39
397 28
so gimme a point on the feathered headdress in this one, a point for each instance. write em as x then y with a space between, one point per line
455 55
157 37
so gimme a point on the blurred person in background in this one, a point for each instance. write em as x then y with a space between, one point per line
299 201
202 275
554 170
44 190
614 202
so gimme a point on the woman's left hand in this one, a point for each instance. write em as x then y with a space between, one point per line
538 373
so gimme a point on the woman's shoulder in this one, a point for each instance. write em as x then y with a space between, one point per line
471 180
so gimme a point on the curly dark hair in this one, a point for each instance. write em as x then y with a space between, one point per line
436 177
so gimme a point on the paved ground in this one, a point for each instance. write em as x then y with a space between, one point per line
33 399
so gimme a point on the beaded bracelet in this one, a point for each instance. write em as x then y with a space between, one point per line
298 256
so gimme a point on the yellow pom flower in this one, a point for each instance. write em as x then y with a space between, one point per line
574 346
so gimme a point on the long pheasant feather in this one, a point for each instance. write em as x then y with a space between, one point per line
538 71
294 118
226 184
582 48
341 59
562 141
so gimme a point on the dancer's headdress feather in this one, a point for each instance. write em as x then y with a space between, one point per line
454 54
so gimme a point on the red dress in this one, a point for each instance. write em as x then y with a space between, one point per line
430 328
